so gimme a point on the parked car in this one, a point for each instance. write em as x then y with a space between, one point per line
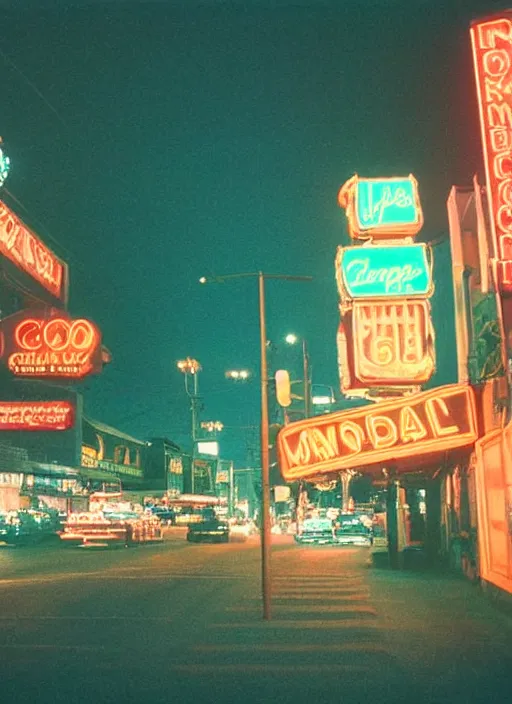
25 527
165 514
210 529
353 534
318 531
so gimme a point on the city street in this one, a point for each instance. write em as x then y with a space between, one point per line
176 622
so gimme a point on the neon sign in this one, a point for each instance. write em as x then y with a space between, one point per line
393 342
53 347
36 415
425 423
384 271
5 165
492 56
381 208
29 254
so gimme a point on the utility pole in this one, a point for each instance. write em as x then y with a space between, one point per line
266 535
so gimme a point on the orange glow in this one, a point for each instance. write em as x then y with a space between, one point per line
36 415
53 347
386 344
28 253
493 473
425 423
492 55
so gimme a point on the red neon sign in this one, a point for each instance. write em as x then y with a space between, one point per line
492 55
26 250
36 415
54 347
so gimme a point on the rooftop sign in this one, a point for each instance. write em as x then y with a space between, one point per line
428 422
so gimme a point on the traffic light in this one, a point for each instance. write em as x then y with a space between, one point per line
283 388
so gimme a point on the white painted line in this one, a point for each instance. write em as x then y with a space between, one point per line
250 668
320 624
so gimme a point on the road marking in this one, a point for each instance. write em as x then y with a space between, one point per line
93 617
292 648
313 608
32 646
242 669
49 579
311 623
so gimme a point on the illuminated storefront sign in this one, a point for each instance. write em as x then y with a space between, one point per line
492 55
381 207
121 469
36 415
5 165
424 423
29 254
384 271
52 347
393 342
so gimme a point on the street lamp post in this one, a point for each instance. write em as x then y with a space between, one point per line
191 366
291 339
266 535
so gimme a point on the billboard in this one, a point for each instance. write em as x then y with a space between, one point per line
492 55
36 415
377 208
384 271
39 346
28 253
421 424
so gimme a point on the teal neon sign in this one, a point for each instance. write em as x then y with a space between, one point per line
385 272
384 203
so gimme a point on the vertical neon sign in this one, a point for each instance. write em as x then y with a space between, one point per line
492 54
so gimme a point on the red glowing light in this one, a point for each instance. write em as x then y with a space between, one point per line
492 54
36 415
28 253
53 347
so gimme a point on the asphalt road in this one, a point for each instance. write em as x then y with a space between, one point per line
183 623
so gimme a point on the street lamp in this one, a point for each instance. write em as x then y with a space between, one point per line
292 339
191 367
212 426
265 468
237 374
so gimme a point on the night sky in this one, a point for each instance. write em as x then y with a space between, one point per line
153 143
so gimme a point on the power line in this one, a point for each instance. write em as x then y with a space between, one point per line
32 85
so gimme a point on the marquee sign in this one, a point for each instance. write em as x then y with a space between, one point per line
28 253
492 55
57 347
384 271
381 207
428 422
36 415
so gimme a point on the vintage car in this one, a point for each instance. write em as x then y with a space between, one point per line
317 531
111 527
210 529
28 526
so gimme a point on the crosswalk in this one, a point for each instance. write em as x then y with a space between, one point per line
322 624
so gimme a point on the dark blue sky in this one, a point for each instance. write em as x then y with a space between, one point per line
152 143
